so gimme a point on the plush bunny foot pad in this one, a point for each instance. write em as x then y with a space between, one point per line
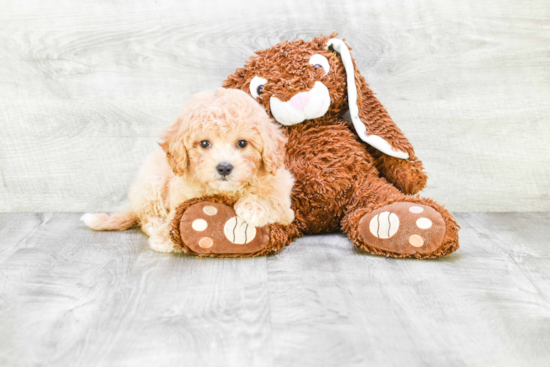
214 228
403 228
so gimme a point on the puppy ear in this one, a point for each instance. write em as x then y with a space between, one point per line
273 153
174 147
370 119
173 138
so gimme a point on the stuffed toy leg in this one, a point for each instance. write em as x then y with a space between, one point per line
224 235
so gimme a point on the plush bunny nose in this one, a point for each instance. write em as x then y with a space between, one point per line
224 168
300 101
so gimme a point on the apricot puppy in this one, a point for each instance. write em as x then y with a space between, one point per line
221 143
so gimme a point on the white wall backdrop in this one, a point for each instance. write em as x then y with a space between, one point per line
87 86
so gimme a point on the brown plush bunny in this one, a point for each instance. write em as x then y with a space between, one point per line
355 176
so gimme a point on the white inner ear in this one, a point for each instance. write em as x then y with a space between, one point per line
372 140
254 84
321 60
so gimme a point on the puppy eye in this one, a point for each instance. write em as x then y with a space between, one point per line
242 143
257 86
205 144
319 61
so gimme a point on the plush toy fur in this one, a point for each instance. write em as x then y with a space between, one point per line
342 183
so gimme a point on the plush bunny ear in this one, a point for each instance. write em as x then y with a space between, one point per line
371 121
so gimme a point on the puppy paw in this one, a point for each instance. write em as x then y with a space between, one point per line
287 218
162 244
253 212
160 241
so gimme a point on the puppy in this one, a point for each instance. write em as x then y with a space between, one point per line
222 143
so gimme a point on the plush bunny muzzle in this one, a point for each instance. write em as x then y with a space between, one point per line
308 105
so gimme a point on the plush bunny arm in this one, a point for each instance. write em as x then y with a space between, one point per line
407 175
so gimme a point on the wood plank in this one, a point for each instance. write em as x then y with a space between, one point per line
54 283
14 229
88 298
87 87
176 310
70 296
481 306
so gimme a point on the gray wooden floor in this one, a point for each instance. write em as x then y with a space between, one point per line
74 297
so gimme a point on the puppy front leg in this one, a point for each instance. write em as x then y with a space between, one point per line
260 212
253 210
287 215
159 235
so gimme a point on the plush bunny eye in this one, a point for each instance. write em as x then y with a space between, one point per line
320 61
257 86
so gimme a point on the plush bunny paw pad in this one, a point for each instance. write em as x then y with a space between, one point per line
212 228
403 228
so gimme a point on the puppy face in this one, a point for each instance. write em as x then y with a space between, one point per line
225 159
224 140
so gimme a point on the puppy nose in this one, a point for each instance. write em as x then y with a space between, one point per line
224 168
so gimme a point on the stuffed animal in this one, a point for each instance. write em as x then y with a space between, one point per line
357 176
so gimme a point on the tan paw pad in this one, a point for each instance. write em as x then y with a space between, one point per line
199 225
210 210
206 242
239 232
423 223
384 225
416 240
